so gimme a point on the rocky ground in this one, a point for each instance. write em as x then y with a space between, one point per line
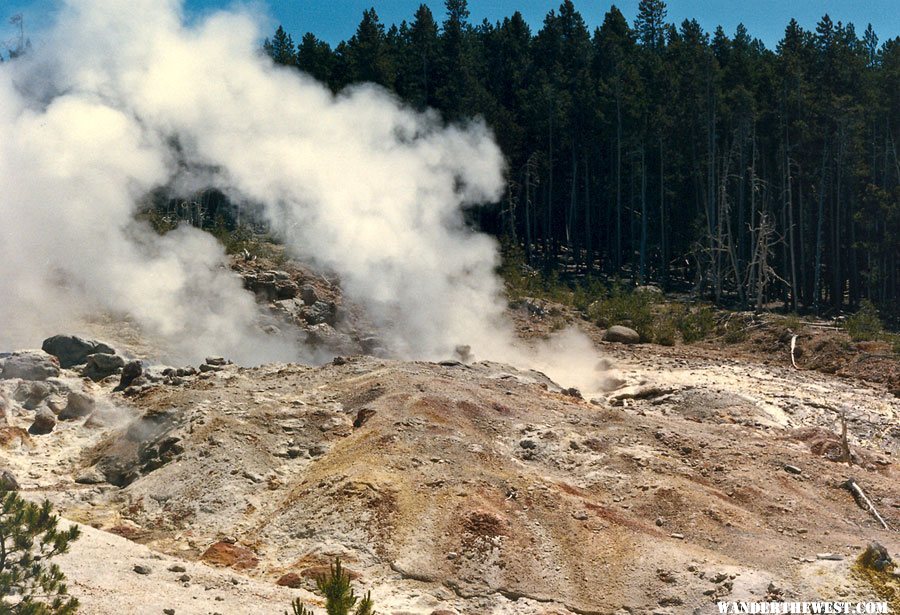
704 474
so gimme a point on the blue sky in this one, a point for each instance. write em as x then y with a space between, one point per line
334 20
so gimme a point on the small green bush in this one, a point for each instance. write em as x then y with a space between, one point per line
865 325
29 539
695 325
665 330
339 596
621 307
734 329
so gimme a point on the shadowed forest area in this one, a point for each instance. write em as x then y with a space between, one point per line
661 153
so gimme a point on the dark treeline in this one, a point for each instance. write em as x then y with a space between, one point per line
664 153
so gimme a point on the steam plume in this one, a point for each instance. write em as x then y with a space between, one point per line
355 182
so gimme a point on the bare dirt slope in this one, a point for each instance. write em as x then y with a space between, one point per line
483 489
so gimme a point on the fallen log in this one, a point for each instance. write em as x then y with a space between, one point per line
862 501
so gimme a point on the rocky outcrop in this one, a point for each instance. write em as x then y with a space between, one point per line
72 350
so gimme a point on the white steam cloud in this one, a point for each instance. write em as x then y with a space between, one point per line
356 183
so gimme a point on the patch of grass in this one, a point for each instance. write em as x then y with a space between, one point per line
865 325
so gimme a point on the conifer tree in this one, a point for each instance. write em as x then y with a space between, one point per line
29 538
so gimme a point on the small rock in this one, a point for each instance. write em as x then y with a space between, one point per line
217 361
184 578
176 568
32 394
830 556
91 476
8 481
308 294
44 422
362 417
131 371
792 469
659 522
528 444
256 478
141 569
169 611
678 536
580 515
78 405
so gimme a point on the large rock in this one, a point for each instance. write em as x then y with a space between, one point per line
44 422
30 365
78 405
622 335
72 350
99 366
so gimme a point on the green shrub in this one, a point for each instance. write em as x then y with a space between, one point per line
29 539
339 596
621 307
665 330
695 325
734 329
865 325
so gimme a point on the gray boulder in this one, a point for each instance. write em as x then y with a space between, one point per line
30 365
44 422
100 366
32 394
72 350
621 335
78 405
